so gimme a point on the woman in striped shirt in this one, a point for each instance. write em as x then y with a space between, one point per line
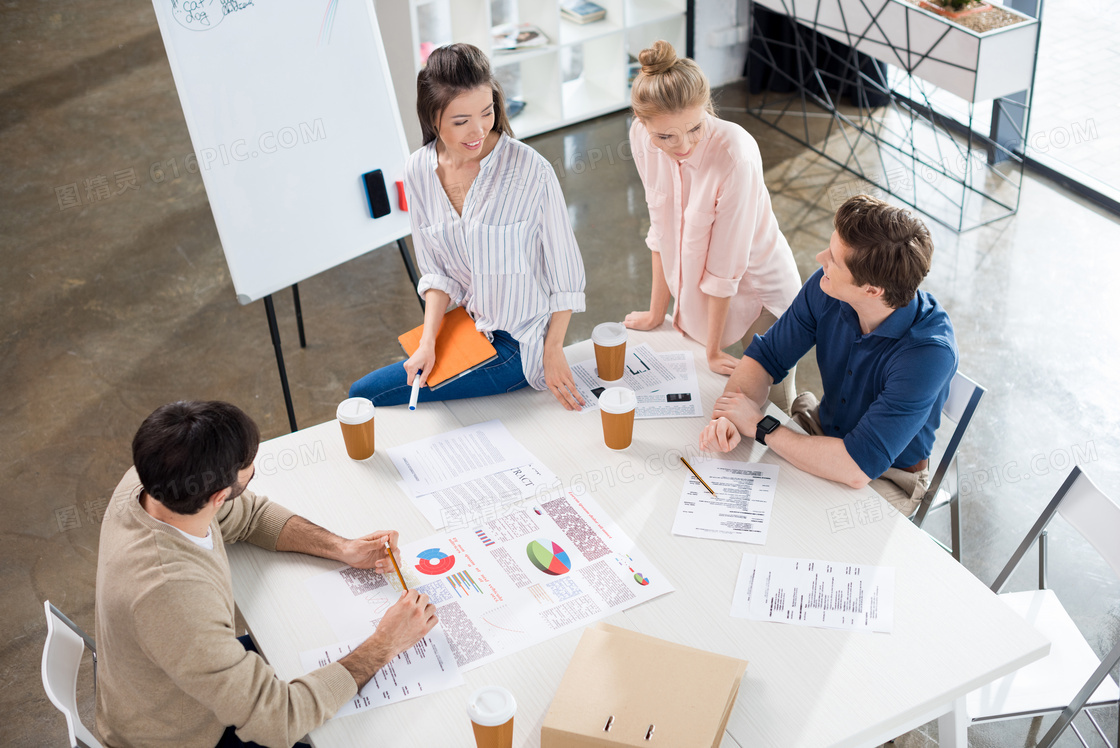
491 233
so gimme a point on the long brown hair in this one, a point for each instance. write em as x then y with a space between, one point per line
451 71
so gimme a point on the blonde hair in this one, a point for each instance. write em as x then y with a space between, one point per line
668 83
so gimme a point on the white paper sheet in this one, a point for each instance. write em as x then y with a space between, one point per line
739 511
515 581
472 502
455 457
425 667
665 383
679 398
810 592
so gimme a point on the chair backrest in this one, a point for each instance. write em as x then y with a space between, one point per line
964 396
62 654
1094 515
1088 509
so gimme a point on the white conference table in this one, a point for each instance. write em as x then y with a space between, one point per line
803 687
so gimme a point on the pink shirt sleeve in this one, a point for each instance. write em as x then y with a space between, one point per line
738 214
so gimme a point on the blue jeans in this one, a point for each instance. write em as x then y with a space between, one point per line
389 384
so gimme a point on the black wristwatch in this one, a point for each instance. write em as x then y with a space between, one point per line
765 427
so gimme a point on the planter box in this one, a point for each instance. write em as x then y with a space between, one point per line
976 67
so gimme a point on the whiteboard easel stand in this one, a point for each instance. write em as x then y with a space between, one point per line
274 329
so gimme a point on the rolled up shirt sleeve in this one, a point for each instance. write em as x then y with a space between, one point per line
563 274
902 409
739 211
788 339
252 518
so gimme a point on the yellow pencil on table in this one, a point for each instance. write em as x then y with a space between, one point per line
395 567
691 470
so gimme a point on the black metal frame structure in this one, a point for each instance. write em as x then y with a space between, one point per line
274 329
913 150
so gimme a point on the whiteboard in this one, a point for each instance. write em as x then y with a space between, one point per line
287 105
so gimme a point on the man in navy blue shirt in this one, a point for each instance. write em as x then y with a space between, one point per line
886 353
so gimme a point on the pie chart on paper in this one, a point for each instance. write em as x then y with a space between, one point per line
548 557
433 561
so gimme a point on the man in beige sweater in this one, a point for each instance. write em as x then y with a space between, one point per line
171 671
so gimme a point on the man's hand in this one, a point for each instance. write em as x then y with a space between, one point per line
720 435
740 410
649 320
722 363
407 622
558 377
368 551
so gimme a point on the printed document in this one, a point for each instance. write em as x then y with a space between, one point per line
425 667
739 511
458 456
810 592
524 577
665 383
471 502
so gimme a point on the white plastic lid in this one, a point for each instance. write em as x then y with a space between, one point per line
609 334
491 706
618 400
355 410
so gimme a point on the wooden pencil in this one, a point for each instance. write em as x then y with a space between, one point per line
691 470
395 567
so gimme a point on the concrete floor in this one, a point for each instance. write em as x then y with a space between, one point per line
117 305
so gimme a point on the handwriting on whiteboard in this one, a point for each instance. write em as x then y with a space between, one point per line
202 15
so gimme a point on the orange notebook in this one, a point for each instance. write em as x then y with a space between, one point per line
460 347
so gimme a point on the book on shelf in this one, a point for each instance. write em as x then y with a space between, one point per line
513 37
582 11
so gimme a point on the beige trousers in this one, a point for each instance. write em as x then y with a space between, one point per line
782 393
904 490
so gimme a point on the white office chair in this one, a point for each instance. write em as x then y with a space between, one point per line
62 654
1070 678
964 396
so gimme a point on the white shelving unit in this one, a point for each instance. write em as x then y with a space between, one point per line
580 74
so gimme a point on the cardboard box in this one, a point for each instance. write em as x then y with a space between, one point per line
684 694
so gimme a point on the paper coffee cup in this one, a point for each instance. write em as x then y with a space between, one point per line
355 416
491 711
610 350
616 406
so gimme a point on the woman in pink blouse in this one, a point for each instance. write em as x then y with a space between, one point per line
715 242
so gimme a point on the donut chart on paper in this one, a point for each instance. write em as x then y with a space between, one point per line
548 557
434 561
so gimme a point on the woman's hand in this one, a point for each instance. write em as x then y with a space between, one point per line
558 377
722 363
422 361
644 320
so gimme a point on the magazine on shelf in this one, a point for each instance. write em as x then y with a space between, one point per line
582 11
512 37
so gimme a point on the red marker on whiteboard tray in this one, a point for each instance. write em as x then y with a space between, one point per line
401 199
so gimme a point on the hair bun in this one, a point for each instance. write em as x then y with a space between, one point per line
658 59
